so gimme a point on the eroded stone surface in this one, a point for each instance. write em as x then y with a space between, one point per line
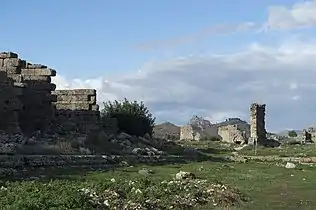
27 103
257 123
233 134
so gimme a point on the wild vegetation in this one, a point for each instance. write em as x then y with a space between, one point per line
133 118
204 179
251 185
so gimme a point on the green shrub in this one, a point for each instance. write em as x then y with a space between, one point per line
292 134
132 117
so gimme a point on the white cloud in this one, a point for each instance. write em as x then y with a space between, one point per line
215 30
221 86
300 15
296 97
221 116
279 17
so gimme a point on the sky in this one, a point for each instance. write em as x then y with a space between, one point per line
182 58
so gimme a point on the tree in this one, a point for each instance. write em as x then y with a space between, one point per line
132 117
292 134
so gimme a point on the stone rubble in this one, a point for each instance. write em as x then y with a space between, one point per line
290 165
181 193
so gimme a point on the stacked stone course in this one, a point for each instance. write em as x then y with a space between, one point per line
27 103
9 104
77 109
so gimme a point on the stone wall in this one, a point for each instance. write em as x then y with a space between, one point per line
233 134
77 110
28 105
257 123
192 132
9 104
31 85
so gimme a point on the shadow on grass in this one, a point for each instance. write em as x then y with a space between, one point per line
211 150
78 173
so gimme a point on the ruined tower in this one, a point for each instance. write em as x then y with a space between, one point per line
257 123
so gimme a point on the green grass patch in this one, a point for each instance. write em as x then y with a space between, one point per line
307 150
249 186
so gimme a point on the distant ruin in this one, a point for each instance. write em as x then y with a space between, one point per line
309 134
233 134
258 132
28 103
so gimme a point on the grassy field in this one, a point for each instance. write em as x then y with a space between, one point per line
285 150
261 186
218 185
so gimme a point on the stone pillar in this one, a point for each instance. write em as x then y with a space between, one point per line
257 123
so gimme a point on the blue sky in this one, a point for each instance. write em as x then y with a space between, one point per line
95 44
83 38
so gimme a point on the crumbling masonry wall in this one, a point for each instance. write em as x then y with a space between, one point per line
27 103
31 88
309 134
233 134
9 104
77 110
257 123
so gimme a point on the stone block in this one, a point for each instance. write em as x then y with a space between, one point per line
72 106
37 78
35 66
12 62
22 63
1 62
16 77
39 72
71 98
75 92
8 55
11 69
41 85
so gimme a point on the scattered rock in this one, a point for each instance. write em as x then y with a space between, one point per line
145 171
290 165
185 175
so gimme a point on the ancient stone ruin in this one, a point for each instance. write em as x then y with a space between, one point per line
309 134
233 134
232 130
198 129
76 110
257 124
27 103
